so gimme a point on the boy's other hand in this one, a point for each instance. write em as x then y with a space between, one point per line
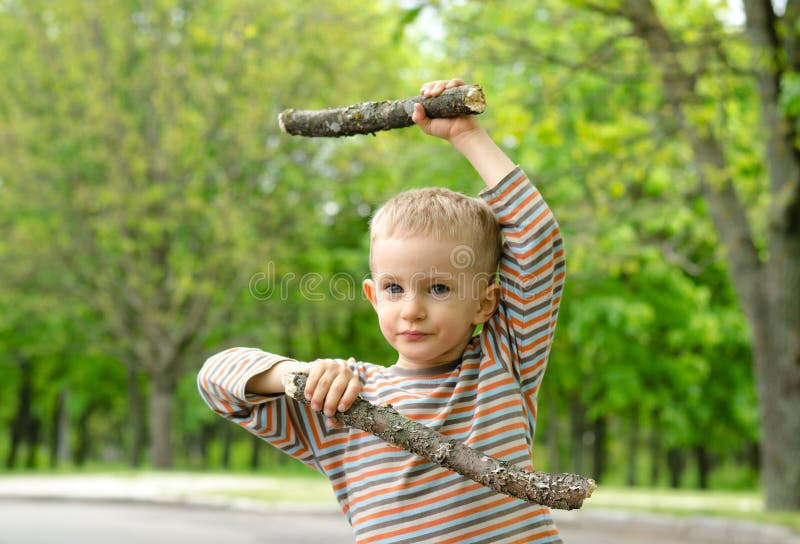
447 129
331 386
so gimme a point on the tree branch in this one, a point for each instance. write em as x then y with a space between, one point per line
791 40
370 117
726 209
783 157
763 35
562 491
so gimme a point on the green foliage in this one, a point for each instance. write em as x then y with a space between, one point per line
143 181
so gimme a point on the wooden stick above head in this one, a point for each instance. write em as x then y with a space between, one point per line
563 491
370 117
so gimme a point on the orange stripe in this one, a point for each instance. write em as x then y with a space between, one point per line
529 297
515 182
500 430
484 387
486 529
516 211
524 230
418 504
235 374
523 276
439 520
531 407
512 450
438 475
549 532
352 458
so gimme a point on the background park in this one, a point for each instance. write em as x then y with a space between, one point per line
152 214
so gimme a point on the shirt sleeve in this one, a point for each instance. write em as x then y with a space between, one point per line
286 424
532 272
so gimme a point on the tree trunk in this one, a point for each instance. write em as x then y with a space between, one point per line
767 290
136 415
226 447
600 426
20 427
703 466
675 464
752 454
60 436
34 432
162 390
255 452
655 449
564 491
633 447
577 432
370 117
553 447
83 446
206 437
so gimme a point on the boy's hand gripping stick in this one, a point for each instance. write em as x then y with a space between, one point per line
562 491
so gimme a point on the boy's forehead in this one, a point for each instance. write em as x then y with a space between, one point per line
419 255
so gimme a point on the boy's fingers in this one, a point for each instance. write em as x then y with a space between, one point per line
350 394
311 384
335 392
419 116
435 88
427 88
320 391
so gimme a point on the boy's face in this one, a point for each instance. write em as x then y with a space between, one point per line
428 298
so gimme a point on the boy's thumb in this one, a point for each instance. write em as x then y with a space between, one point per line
420 117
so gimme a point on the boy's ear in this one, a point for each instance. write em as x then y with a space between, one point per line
369 290
489 300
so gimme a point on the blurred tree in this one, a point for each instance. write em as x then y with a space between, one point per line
147 131
695 63
658 142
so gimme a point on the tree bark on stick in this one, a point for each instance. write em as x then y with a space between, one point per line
370 117
561 491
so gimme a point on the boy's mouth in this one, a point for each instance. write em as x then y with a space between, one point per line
413 335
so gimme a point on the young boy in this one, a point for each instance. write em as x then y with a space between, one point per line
433 256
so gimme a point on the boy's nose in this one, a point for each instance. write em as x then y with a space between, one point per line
412 309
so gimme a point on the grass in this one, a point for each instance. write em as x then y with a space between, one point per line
285 490
742 505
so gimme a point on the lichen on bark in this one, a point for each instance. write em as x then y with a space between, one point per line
371 117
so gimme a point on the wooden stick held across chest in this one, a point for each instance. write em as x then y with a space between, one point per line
561 491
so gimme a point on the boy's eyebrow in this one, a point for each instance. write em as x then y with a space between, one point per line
433 275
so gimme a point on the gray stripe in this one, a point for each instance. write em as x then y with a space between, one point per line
484 519
524 216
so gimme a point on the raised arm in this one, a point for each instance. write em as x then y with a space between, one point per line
467 135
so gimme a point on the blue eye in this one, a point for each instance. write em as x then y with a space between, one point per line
439 289
393 288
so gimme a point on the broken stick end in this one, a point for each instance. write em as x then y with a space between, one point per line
280 120
475 99
288 380
591 485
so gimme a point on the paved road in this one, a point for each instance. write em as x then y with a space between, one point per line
38 521
46 522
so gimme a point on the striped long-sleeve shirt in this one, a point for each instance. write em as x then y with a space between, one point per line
487 400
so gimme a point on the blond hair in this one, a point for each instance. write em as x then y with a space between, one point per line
444 215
